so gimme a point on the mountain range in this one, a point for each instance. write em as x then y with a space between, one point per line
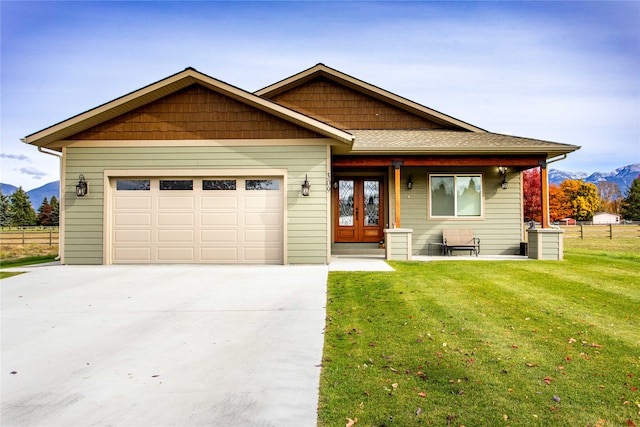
622 176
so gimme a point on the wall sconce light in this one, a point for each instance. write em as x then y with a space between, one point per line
409 183
82 188
503 174
306 187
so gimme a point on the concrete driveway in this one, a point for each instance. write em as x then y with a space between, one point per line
180 345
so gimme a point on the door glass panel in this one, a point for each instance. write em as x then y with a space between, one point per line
218 184
372 202
262 184
133 184
345 195
176 184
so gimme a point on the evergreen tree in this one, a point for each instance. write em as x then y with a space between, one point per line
5 211
44 213
55 211
23 213
631 203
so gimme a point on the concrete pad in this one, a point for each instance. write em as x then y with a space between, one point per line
358 263
423 258
162 345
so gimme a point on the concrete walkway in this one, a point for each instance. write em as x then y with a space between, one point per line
162 345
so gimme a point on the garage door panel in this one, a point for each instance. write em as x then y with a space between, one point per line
220 236
264 201
171 203
229 254
133 219
263 218
229 219
132 255
257 236
262 254
175 254
176 236
140 202
132 236
219 202
186 219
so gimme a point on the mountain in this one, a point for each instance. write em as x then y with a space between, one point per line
8 189
622 176
37 195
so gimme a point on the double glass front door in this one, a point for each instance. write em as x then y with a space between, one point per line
358 210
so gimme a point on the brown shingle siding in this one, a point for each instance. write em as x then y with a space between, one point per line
347 108
195 113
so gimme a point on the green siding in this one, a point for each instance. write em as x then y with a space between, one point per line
307 216
500 229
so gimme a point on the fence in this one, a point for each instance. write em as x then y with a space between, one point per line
30 236
608 231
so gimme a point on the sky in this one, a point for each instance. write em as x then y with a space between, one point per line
565 72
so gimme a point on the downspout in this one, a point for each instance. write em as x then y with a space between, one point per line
59 156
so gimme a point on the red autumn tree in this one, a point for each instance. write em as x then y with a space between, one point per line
531 189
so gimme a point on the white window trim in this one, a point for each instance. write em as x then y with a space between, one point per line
455 216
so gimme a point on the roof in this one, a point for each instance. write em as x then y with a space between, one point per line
451 142
166 87
321 70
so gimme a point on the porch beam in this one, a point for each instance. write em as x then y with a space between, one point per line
384 161
396 181
544 194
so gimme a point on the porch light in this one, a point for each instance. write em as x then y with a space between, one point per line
82 188
409 183
503 174
306 187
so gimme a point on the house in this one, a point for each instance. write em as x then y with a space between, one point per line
567 221
194 170
605 218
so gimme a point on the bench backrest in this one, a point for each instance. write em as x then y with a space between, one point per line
458 236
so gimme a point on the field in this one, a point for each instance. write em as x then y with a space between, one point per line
504 343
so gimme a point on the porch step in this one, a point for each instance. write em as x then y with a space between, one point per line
356 249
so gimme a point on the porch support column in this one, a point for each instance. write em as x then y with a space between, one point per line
396 181
544 193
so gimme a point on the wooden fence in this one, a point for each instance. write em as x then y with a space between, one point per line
30 236
608 231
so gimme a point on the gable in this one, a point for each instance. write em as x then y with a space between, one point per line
195 112
347 108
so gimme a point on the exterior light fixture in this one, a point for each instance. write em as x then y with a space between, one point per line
306 187
82 188
409 183
503 174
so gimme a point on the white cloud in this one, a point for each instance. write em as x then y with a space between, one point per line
21 157
33 172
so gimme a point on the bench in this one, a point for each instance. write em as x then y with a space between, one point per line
460 239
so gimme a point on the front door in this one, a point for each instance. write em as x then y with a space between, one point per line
358 210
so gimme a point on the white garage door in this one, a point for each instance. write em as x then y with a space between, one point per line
198 220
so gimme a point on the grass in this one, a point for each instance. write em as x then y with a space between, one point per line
506 343
21 255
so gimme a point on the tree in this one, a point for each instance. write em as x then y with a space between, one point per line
559 204
583 198
55 211
532 198
610 197
631 203
44 213
23 213
5 211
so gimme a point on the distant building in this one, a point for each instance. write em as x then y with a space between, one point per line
606 218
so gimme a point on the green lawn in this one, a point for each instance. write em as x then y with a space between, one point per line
496 343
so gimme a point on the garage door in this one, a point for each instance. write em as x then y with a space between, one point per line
198 220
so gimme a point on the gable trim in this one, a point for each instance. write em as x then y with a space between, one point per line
321 70
165 87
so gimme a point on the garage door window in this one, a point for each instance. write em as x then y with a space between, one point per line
262 184
218 184
176 184
133 184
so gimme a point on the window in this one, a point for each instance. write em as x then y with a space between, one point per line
176 184
262 184
133 184
218 184
455 196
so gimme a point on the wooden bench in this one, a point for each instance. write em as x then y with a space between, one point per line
460 239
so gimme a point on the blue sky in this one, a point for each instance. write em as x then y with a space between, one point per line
560 71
